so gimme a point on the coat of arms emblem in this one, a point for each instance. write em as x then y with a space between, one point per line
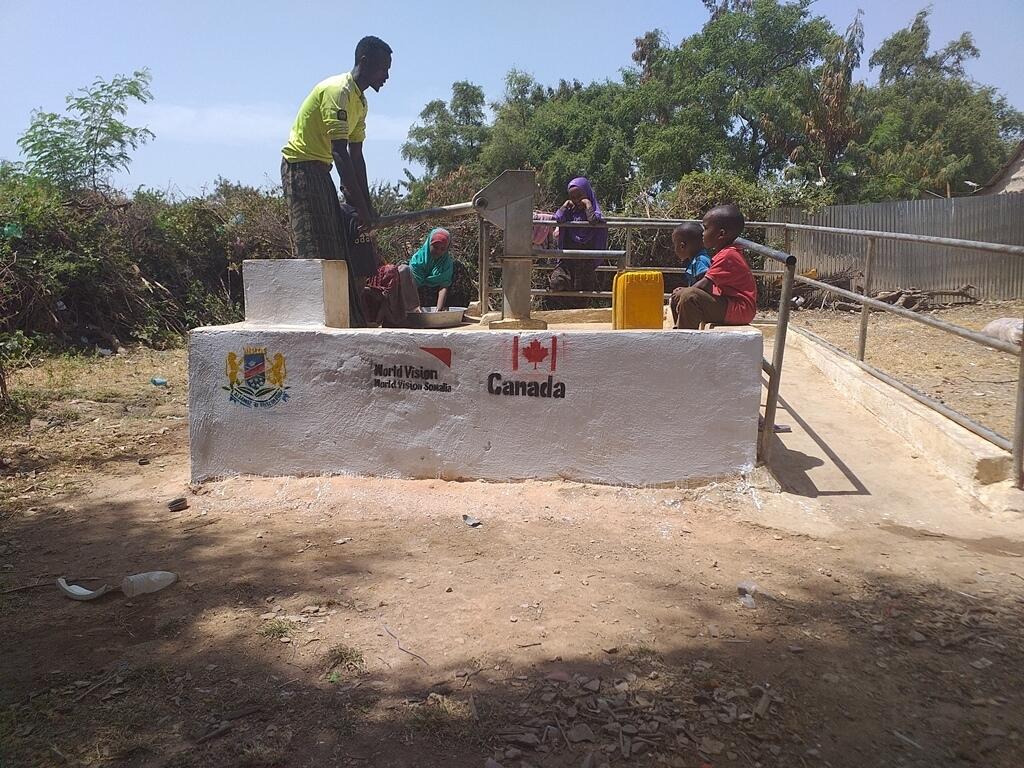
252 382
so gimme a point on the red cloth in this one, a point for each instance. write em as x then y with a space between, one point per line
382 298
731 277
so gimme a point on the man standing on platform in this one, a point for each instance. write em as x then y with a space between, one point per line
330 127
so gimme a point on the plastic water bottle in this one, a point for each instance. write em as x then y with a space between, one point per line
144 583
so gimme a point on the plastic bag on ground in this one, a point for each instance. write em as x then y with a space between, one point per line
1009 329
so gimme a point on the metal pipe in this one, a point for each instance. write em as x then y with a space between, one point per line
778 353
442 212
586 294
614 222
555 253
777 273
635 221
553 224
967 423
950 242
484 275
764 250
1018 425
956 330
865 311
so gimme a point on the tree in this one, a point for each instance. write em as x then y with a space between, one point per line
765 91
563 132
733 94
718 7
450 135
904 54
509 145
833 120
928 128
84 146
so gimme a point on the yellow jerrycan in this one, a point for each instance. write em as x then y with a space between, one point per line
638 299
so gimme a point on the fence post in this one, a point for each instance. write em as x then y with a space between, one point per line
865 311
1018 426
779 350
484 273
629 247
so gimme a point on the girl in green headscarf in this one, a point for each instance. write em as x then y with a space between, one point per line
433 267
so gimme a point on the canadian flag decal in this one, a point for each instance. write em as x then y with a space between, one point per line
535 353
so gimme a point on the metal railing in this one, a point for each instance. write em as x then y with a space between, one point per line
867 304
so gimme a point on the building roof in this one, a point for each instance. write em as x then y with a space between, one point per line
1010 177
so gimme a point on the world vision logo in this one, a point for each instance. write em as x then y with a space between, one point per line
253 382
412 378
533 367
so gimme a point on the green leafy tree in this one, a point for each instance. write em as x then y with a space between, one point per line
732 95
766 90
509 145
450 135
834 116
904 54
718 7
563 132
91 141
928 127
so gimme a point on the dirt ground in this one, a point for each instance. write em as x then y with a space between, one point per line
977 381
362 622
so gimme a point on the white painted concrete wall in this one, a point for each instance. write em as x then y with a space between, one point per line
296 292
639 407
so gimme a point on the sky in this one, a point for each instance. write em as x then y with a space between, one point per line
229 76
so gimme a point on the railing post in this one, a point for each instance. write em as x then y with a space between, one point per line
778 352
865 310
1018 426
484 268
629 247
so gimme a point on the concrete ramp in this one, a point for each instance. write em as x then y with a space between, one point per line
841 465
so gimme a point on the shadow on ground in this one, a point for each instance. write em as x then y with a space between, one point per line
285 645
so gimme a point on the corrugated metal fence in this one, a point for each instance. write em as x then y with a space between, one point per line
995 219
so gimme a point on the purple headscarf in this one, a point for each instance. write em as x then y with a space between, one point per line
582 238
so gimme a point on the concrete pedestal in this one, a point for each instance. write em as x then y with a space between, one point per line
296 292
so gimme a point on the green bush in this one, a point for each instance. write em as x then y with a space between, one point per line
91 269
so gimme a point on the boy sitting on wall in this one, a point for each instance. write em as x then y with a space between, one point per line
727 294
688 246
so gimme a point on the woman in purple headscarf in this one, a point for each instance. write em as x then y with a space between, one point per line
574 274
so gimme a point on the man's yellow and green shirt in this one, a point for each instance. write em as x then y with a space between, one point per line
335 109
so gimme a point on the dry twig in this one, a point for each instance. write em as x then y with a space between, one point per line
403 650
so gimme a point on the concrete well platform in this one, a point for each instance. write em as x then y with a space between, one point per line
300 396
624 407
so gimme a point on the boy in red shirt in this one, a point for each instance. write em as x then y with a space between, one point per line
727 294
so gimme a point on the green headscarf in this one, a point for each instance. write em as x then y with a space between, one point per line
428 270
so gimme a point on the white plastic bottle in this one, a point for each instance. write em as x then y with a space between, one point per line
143 583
